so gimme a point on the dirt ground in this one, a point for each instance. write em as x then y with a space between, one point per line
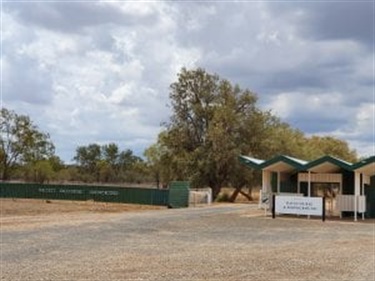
217 242
34 213
33 207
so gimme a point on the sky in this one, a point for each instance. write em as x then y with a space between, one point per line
99 71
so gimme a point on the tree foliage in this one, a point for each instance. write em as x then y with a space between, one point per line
21 142
317 146
213 122
107 163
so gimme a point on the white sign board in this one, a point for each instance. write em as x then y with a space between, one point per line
297 205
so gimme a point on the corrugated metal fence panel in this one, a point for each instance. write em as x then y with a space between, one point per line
148 196
179 194
346 203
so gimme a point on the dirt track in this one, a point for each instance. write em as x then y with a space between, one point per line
225 242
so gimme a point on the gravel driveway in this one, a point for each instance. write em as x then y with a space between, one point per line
222 242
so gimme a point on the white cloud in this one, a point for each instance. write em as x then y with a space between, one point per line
290 104
99 92
328 114
323 114
361 125
103 75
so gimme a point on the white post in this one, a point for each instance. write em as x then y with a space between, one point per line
264 180
266 188
309 188
278 182
357 183
309 185
262 189
363 192
340 186
298 186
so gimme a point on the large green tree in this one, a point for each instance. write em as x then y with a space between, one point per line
212 123
21 142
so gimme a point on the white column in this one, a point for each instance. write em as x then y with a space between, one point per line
278 182
266 189
357 189
309 184
340 186
363 192
264 181
269 180
298 185
309 187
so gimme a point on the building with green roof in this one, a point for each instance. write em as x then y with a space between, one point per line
351 186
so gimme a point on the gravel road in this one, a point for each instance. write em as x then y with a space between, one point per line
222 242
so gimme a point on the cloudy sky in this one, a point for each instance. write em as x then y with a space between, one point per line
99 71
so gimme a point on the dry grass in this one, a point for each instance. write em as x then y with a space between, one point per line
240 198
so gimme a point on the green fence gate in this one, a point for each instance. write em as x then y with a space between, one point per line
178 194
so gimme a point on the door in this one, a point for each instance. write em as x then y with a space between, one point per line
370 201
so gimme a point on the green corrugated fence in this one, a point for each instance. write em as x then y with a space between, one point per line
115 194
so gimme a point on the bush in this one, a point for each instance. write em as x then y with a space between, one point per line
223 197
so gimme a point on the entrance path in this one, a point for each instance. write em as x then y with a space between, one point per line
221 242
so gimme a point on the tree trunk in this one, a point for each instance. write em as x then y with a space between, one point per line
235 193
215 191
5 173
157 179
247 195
238 190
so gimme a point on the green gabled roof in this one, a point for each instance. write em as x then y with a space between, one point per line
329 159
366 166
327 163
363 162
251 162
295 163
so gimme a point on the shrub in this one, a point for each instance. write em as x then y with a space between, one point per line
223 197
